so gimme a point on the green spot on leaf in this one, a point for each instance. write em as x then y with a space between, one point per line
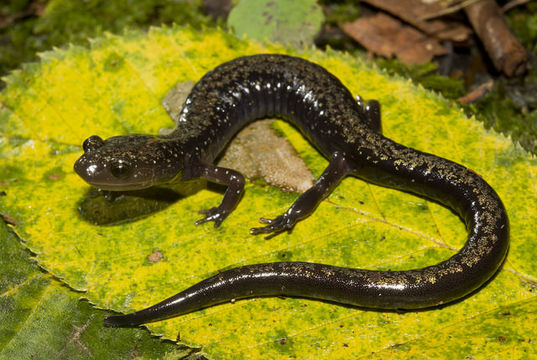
113 62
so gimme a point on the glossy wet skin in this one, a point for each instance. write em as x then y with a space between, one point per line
348 133
131 162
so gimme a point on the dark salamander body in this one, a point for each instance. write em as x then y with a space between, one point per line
348 133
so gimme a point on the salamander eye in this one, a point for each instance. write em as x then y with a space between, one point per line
120 168
92 143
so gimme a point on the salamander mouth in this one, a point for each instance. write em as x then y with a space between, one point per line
96 177
122 187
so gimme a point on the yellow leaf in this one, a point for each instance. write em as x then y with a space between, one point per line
148 248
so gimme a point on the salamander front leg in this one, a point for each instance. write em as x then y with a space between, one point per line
308 201
235 185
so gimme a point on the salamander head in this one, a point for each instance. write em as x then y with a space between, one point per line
129 162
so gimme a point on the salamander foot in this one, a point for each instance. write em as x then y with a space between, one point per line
213 214
275 226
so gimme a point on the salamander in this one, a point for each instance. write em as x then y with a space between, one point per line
347 131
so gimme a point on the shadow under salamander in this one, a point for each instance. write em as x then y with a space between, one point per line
113 208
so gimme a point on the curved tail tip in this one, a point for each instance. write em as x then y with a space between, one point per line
120 321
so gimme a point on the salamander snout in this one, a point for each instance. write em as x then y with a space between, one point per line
84 167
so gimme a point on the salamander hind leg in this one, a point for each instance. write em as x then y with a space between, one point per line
371 111
235 186
308 201
372 114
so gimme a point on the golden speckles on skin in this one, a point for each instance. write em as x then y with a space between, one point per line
245 89
340 122
327 272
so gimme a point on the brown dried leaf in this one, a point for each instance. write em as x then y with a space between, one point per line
387 36
413 11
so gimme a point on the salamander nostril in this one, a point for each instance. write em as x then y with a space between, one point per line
79 167
84 169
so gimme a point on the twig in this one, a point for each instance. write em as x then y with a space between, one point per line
449 10
506 53
512 4
34 9
477 94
